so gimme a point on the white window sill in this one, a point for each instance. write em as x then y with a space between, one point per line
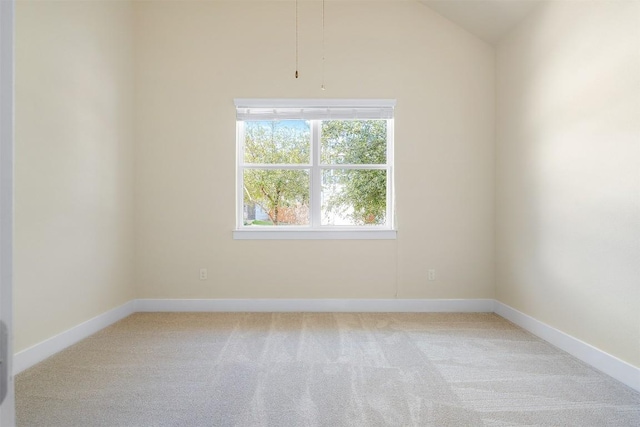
314 234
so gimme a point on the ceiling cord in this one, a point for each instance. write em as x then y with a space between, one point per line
296 39
323 49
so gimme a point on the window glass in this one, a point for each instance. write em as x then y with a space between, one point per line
277 142
276 197
354 142
354 196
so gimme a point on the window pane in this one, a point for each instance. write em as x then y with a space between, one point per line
276 197
277 142
354 142
354 197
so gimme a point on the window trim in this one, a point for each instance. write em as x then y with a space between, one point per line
315 230
308 234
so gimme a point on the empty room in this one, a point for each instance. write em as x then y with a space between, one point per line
320 212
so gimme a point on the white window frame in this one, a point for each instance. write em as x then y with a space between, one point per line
342 108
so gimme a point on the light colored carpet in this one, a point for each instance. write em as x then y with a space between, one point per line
318 369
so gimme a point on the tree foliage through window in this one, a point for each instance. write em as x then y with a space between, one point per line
353 156
277 191
359 194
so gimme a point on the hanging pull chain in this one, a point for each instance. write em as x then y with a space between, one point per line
296 39
322 83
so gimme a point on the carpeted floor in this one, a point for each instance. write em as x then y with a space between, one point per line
318 369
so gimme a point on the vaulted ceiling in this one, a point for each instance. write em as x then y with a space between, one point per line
488 19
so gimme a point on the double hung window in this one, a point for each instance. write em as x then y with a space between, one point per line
311 166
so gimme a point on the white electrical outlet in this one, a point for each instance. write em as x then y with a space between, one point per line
431 274
203 274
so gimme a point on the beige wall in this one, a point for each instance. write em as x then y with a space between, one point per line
568 172
74 165
194 58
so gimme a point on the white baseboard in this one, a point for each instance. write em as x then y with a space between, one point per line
315 305
37 353
610 365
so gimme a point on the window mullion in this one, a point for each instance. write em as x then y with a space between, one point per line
342 166
269 166
316 175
